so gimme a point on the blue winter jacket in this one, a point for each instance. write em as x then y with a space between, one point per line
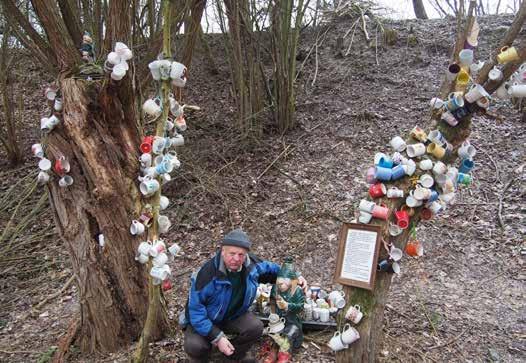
211 292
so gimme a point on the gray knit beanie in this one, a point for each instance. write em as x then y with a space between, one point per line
237 238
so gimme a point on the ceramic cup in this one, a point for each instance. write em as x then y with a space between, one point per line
439 168
415 150
164 224
507 54
160 260
44 164
337 299
65 181
364 217
142 259
395 230
336 343
164 202
426 164
476 92
349 334
354 314
426 180
144 248
42 177
466 151
394 192
398 144
366 206
174 249
37 150
136 227
324 315
161 273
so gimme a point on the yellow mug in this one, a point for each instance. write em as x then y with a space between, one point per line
507 54
436 150
462 78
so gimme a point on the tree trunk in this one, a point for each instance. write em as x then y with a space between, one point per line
420 11
192 32
99 137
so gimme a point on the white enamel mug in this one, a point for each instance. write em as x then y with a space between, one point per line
65 181
354 314
160 260
426 164
366 205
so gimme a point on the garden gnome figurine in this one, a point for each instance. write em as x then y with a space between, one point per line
87 48
289 300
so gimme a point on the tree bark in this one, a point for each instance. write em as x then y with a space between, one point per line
65 50
100 141
420 10
192 33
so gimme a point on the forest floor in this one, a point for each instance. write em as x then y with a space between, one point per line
463 301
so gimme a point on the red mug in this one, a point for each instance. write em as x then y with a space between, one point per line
426 214
380 212
377 190
146 145
414 249
167 285
402 218
59 169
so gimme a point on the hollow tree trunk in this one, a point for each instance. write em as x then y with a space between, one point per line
99 137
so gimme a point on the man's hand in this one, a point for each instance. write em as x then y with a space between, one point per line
281 303
303 284
225 346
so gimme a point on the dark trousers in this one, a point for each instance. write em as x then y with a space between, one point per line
247 328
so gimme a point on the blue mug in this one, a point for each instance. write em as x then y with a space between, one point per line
383 174
433 197
385 162
398 172
465 166
164 167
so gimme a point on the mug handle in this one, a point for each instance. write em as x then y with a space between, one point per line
342 293
282 320
346 326
505 48
336 333
357 307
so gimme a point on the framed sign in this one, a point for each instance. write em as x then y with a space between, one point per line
358 255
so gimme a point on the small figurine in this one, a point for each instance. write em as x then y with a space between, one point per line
289 300
87 48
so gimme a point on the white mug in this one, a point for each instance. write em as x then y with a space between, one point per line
164 68
177 140
394 192
142 259
316 313
163 202
65 181
161 273
336 343
57 105
44 164
366 205
365 217
439 168
350 335
146 160
144 248
37 150
426 164
394 229
42 177
337 298
158 144
178 74
398 144
324 315
154 69
412 201
466 151
495 74
164 224
160 260
149 186
409 166
395 254
427 180
136 227
151 108
415 150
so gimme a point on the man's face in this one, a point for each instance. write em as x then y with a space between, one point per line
233 256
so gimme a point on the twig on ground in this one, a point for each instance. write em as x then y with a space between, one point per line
501 197
352 37
18 351
497 177
448 342
315 62
56 294
420 353
273 162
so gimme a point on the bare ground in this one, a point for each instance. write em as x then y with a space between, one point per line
462 302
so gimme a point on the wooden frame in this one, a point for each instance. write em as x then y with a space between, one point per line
368 255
